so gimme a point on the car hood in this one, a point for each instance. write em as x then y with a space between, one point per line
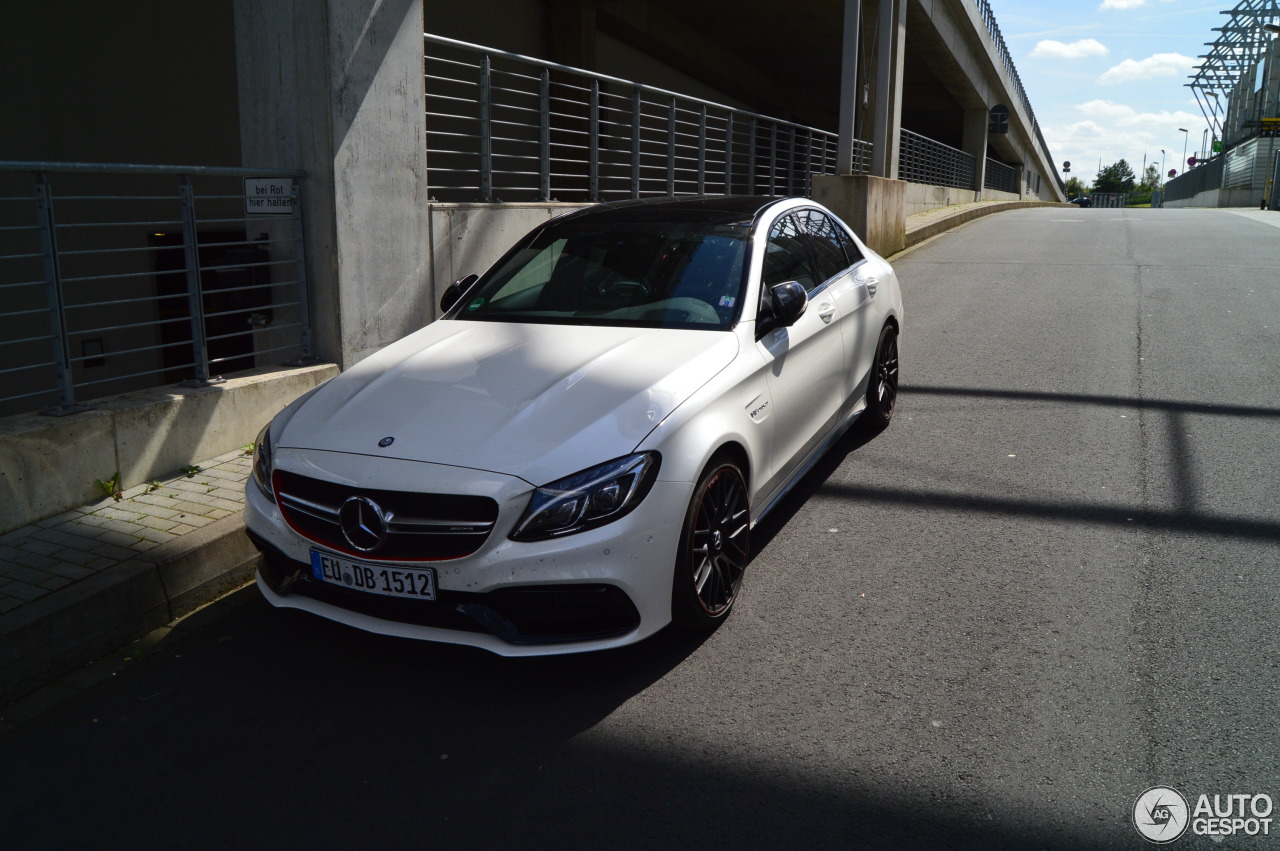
535 401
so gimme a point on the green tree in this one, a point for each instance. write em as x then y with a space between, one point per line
1117 177
1074 187
1152 178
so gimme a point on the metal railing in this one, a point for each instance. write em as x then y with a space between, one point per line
1110 199
122 277
1000 177
922 160
506 127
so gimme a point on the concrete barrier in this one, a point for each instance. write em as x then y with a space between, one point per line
49 465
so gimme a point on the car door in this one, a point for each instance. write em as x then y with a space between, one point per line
805 362
851 284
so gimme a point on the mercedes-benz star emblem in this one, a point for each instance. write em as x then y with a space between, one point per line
363 523
386 441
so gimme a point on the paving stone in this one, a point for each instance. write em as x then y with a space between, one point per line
94 520
53 583
182 529
24 591
155 536
115 512
159 524
119 539
35 546
225 504
72 571
112 551
71 558
40 562
81 536
190 509
12 538
20 573
219 513
59 537
58 520
8 604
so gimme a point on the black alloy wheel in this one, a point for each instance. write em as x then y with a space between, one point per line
715 547
882 387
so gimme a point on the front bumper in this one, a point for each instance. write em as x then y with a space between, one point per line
598 589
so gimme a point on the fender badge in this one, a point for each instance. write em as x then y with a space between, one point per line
386 441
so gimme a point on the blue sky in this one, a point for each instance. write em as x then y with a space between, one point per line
1107 78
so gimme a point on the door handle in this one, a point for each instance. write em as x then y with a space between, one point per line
872 284
826 310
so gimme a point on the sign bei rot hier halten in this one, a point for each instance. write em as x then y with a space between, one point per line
268 196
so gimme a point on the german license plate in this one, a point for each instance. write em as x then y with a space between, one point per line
414 583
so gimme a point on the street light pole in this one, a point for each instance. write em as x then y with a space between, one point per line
1185 134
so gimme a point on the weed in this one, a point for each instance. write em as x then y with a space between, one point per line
110 487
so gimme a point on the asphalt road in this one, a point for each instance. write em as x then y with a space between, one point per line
1050 585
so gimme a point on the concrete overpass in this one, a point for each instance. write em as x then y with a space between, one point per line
881 107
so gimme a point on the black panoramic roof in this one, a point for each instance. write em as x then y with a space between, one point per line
711 210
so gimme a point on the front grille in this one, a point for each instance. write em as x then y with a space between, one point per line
419 527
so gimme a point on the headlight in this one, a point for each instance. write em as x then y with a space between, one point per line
262 460
588 499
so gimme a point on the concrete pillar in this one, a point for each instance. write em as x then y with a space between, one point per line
974 144
848 86
571 28
336 87
891 44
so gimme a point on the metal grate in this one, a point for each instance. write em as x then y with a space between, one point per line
1001 177
922 160
505 127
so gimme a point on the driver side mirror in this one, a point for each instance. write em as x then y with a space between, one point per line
455 291
787 302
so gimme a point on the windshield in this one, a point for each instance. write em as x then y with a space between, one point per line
645 275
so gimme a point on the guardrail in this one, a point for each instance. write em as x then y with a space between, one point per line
121 277
507 127
1006 59
922 160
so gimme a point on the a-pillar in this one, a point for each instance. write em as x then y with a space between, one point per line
336 87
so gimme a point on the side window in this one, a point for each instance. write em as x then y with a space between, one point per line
832 249
785 257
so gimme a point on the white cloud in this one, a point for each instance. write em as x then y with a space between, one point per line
1076 50
1159 65
1122 4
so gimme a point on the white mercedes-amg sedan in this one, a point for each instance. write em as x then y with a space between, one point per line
574 455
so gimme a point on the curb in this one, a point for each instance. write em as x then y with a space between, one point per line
59 633
942 225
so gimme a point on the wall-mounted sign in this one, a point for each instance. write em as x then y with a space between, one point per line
272 196
999 119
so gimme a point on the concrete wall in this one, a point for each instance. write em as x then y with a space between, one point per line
872 206
467 239
48 464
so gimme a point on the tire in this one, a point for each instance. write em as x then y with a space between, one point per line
882 384
715 546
